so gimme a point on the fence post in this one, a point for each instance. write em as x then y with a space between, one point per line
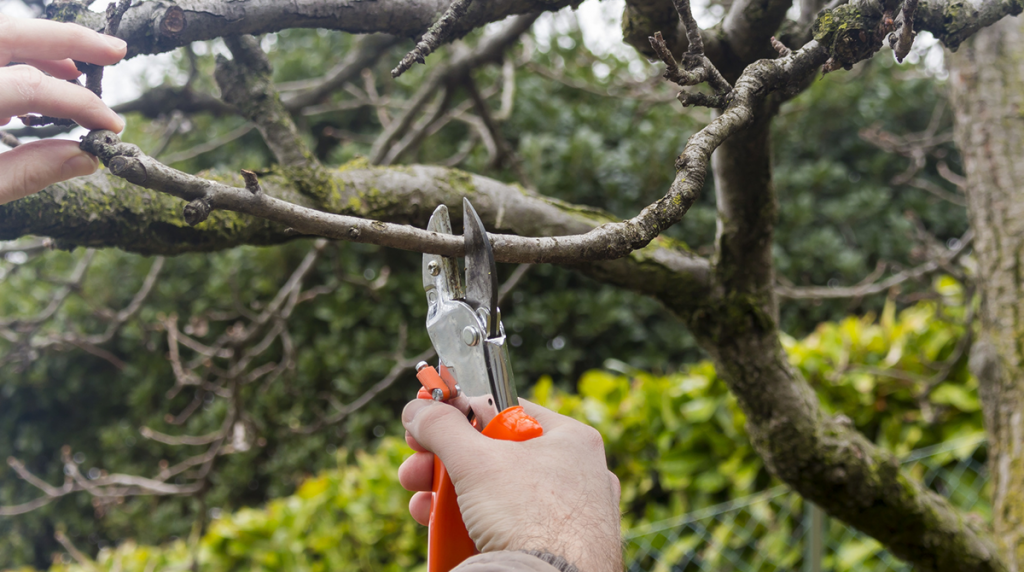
814 537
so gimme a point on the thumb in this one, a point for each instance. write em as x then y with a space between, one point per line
34 166
443 430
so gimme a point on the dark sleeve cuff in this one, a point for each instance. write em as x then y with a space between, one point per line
512 561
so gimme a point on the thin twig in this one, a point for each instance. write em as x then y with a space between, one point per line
692 30
438 33
211 145
902 40
866 289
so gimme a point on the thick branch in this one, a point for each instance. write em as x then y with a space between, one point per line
156 27
831 464
104 210
953 21
825 460
749 26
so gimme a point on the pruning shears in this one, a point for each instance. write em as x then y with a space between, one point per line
473 372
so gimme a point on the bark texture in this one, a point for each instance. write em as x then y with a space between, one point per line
823 458
987 86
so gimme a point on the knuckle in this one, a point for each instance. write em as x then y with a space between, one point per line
428 422
26 80
23 180
6 26
591 438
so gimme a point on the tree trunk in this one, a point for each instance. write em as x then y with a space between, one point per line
987 87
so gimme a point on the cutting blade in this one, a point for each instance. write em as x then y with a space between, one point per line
481 274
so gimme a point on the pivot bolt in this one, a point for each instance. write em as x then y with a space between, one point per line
434 268
470 336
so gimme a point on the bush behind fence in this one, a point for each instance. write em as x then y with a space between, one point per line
777 530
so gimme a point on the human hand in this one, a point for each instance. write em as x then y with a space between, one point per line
47 46
553 494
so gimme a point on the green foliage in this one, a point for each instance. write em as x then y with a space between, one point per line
676 443
351 517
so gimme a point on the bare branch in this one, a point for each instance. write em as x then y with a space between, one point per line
868 288
75 553
698 69
902 40
490 49
364 54
180 439
245 82
696 47
211 145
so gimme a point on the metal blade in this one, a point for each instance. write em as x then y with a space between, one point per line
440 271
481 274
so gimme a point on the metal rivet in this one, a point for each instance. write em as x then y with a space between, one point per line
470 336
434 268
422 365
438 395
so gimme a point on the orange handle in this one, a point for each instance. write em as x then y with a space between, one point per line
449 543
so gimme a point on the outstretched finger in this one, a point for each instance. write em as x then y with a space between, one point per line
22 39
34 166
28 90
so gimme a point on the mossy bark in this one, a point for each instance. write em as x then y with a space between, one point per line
822 457
987 87
103 210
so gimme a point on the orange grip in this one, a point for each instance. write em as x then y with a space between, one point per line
449 543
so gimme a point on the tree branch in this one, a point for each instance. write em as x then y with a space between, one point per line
157 27
245 82
489 50
365 53
870 287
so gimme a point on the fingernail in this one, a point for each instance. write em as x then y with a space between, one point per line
414 407
115 42
81 164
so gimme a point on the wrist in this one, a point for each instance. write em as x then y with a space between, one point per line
558 562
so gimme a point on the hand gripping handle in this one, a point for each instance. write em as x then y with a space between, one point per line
449 543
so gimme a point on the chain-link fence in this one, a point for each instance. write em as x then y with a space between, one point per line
776 530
